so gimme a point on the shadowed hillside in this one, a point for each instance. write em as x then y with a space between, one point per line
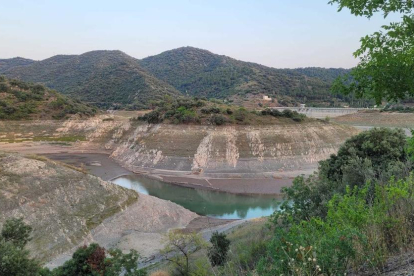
6 64
104 78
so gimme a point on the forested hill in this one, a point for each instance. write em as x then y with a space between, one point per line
199 72
6 64
104 78
324 74
112 79
22 101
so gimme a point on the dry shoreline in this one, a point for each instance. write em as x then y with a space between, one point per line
269 183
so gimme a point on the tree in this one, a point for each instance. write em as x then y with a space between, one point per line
93 260
372 156
218 252
16 232
386 67
178 249
14 259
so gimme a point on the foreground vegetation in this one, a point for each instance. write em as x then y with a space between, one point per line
202 111
353 214
22 101
86 261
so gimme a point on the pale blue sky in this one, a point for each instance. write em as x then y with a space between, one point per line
277 33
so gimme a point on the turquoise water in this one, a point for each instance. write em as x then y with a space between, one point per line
203 202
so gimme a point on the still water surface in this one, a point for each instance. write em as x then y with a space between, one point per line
203 202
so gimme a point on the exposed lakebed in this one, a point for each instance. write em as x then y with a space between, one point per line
203 202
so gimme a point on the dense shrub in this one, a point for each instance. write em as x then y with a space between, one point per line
355 212
14 258
4 87
240 114
355 233
218 120
217 253
86 261
153 117
24 99
372 156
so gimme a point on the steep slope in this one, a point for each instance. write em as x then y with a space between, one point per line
52 198
104 78
6 64
21 101
68 208
199 72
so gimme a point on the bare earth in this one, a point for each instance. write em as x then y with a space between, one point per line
269 183
141 226
378 119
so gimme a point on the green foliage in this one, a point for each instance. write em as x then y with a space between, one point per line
6 64
382 147
86 261
26 101
372 156
195 111
287 113
355 212
106 79
218 120
369 7
354 233
178 249
92 260
197 72
220 247
410 146
14 259
386 57
16 231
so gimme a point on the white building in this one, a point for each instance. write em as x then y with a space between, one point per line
266 98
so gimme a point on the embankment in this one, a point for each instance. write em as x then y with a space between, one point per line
266 157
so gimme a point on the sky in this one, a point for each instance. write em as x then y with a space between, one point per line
276 33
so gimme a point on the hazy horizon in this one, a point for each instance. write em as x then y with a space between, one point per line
273 33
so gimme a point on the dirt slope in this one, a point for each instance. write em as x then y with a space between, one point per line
68 208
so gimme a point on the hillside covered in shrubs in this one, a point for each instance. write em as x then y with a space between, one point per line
21 101
202 111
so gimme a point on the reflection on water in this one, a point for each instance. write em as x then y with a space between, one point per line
203 202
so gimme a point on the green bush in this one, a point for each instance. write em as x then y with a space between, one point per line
218 120
217 253
240 114
4 87
355 233
14 259
372 156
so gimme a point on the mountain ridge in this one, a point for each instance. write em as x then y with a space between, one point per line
113 79
105 78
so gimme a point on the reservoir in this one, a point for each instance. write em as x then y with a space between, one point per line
203 202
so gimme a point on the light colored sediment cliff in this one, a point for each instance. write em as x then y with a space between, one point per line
219 151
198 149
68 208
